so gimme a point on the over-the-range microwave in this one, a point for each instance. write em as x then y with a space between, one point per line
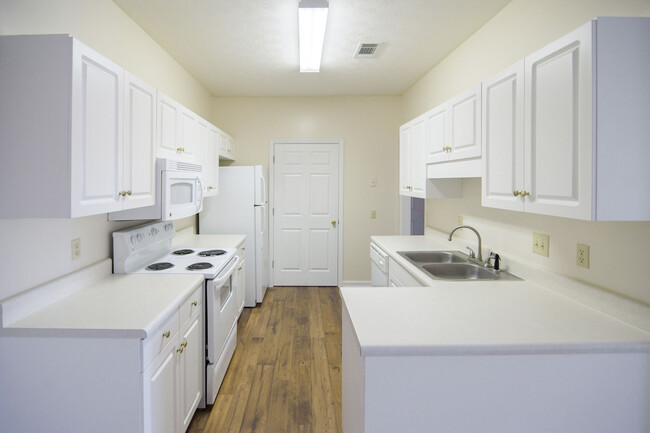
179 193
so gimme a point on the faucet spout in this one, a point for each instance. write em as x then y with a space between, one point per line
479 255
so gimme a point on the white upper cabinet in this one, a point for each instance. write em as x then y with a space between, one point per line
139 161
412 167
178 131
503 139
585 150
65 140
211 162
227 147
455 128
189 137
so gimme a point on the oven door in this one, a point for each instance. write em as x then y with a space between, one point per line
222 310
182 195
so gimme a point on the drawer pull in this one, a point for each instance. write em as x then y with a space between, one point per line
195 303
166 334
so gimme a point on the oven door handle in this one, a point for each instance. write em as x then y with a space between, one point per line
224 275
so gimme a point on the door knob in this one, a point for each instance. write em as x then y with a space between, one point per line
333 223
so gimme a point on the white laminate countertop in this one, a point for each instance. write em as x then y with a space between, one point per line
478 317
119 305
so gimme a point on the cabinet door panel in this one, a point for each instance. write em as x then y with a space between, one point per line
189 136
405 142
160 390
167 126
465 117
139 143
503 138
192 364
97 133
417 165
558 143
437 135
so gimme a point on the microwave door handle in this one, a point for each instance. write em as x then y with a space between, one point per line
200 189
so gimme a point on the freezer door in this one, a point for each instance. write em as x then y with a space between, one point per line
261 189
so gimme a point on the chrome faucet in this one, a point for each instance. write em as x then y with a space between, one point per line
475 258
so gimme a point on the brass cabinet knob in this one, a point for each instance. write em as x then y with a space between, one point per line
166 334
180 349
184 344
524 193
516 193
333 223
195 303
127 192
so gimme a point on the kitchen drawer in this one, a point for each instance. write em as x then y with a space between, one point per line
162 336
191 304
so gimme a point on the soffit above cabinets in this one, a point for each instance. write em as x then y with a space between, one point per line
250 47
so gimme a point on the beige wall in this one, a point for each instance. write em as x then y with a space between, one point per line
369 128
618 250
34 251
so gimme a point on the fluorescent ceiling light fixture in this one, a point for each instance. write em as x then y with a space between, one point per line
312 19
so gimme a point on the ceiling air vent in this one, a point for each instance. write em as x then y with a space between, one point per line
366 51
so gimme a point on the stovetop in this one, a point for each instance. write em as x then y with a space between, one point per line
148 249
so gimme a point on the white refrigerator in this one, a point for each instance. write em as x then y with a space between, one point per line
242 208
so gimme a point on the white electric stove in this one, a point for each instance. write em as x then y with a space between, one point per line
148 249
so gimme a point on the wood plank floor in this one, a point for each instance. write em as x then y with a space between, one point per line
285 375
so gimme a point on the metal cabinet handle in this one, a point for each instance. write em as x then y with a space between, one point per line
524 193
180 349
184 344
333 223
195 303
166 334
516 193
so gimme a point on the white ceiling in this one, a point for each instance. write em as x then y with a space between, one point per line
250 47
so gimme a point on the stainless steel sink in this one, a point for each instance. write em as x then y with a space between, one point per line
460 271
434 256
453 266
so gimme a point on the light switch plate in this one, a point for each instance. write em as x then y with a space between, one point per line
540 244
582 255
373 214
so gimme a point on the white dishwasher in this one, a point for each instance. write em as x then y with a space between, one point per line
378 266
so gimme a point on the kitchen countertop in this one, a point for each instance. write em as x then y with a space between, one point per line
119 305
482 317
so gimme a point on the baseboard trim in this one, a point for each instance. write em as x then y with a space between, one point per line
355 283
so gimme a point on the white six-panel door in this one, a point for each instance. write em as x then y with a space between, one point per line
306 214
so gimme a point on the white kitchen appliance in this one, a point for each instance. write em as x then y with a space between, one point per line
378 266
179 193
148 249
241 208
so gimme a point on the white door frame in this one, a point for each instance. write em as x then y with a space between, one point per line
272 144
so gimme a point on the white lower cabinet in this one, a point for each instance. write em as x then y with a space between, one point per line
562 129
160 382
400 277
240 281
191 368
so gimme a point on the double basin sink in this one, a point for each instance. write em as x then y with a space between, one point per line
453 265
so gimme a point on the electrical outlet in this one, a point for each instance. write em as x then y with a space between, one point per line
76 248
373 181
460 220
540 244
373 214
582 255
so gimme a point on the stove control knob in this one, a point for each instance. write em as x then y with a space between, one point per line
168 227
133 239
154 231
140 237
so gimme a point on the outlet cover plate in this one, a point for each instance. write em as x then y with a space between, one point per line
541 244
582 255
75 247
